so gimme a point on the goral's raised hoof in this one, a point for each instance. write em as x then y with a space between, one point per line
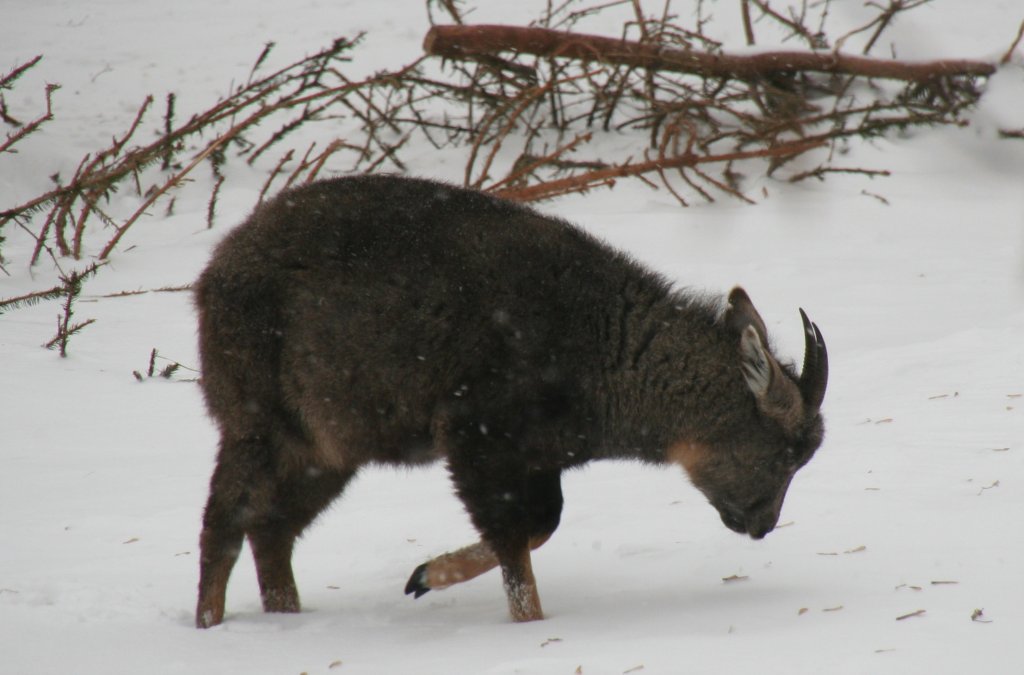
417 585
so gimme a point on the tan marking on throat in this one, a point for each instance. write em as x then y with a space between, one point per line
688 455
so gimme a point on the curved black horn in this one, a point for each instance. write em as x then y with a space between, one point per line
814 376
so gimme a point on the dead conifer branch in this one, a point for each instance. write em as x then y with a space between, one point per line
821 171
98 175
530 164
713 102
510 118
254 118
156 194
168 159
520 101
314 166
26 129
71 288
211 207
599 177
459 41
167 372
287 157
301 166
7 82
30 299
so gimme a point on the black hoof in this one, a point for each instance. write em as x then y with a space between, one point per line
417 585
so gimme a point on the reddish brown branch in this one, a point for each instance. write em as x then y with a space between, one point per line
748 26
468 41
1009 52
608 176
27 129
530 164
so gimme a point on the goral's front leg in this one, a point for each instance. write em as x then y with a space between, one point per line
521 586
452 568
472 561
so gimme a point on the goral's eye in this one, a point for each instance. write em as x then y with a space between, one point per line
798 455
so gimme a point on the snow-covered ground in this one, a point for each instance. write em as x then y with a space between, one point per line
914 502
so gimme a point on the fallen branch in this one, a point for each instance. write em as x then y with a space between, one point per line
293 87
7 81
461 42
30 299
226 137
25 130
527 164
591 179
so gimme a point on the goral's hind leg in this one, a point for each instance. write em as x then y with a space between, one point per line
248 497
541 507
223 528
295 502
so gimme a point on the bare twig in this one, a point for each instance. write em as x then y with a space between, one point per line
880 23
211 207
1013 47
287 157
820 172
795 24
748 26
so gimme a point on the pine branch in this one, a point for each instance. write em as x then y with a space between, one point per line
32 126
31 299
459 42
604 177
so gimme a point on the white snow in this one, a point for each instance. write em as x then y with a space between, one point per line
920 479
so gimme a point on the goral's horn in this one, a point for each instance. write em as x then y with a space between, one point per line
814 376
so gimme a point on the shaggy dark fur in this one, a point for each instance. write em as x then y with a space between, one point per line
400 321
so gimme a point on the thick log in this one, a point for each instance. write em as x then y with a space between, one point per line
459 42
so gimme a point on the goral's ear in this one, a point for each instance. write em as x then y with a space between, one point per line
777 395
756 362
741 314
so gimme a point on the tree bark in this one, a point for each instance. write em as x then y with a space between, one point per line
459 42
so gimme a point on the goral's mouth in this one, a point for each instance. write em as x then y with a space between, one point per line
733 521
739 523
